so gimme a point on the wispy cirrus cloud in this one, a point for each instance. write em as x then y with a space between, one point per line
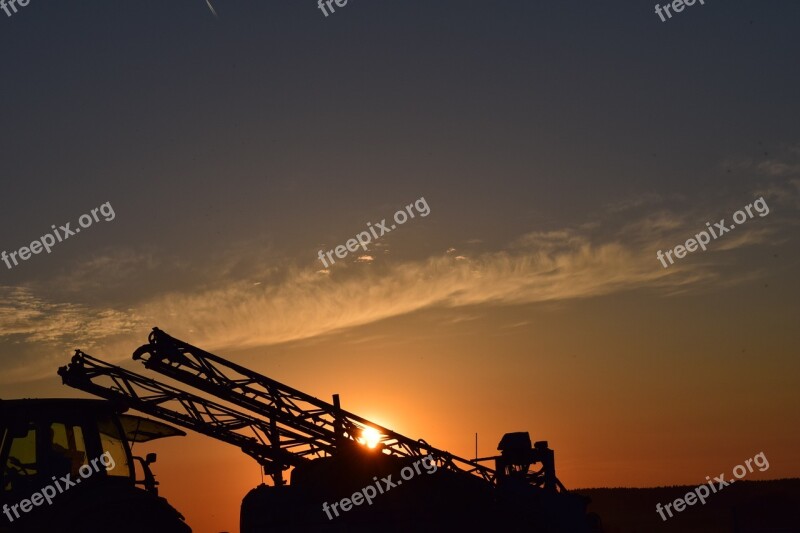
239 303
31 318
301 303
308 305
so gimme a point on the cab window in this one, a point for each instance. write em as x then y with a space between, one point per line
111 442
67 447
20 466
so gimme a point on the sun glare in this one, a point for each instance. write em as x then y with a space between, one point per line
370 437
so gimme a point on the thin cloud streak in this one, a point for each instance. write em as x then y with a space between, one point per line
293 303
213 11
304 304
33 319
302 307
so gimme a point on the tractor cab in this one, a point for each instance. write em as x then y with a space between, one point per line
67 466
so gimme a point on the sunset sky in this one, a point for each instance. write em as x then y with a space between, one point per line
559 148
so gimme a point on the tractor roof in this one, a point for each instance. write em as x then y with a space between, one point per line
52 405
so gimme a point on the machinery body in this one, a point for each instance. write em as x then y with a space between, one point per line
323 448
44 440
444 500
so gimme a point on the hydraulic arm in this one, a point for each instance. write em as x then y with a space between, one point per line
253 435
317 428
279 426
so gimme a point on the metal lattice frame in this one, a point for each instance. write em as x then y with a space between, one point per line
290 428
255 436
305 426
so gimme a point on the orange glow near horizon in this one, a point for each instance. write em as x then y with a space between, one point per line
666 423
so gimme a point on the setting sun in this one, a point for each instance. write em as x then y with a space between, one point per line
370 437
